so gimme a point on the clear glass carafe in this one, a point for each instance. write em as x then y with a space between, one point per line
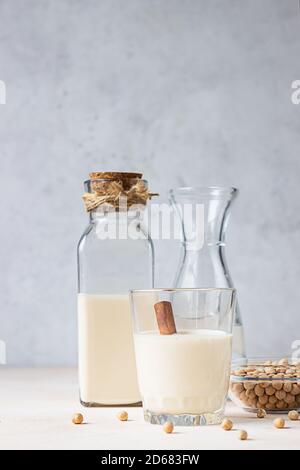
115 254
204 214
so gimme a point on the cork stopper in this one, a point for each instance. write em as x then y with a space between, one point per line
100 180
110 187
114 175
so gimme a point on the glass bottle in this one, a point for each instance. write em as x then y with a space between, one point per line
204 214
115 254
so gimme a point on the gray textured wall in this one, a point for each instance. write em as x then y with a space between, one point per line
188 91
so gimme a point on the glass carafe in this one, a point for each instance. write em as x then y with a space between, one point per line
204 214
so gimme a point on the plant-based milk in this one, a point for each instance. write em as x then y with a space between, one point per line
187 372
107 368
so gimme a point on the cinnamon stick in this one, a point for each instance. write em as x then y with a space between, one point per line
165 317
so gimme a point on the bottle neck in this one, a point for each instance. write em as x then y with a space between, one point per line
116 225
116 216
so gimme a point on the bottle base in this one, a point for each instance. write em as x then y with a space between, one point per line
187 419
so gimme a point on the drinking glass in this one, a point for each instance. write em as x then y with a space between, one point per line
184 377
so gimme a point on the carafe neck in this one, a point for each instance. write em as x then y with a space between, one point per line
204 213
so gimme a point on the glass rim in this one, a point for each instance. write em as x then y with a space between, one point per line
258 361
239 362
183 289
258 380
205 189
104 180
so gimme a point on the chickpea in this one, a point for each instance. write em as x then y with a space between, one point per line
269 370
250 394
272 399
277 385
279 423
243 435
280 394
259 391
263 400
249 386
270 390
287 387
261 413
295 389
227 424
238 387
264 384
267 363
122 416
293 415
289 398
252 402
168 427
77 418
270 406
283 362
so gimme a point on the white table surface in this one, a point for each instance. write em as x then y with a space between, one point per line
36 408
